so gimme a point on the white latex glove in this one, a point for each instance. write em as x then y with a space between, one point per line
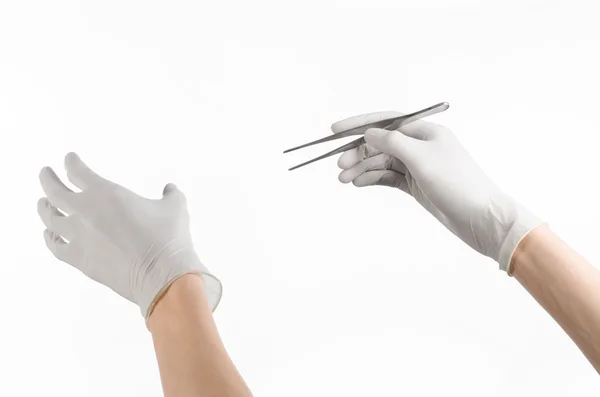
133 245
428 162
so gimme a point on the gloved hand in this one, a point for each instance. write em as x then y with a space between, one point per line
428 162
133 245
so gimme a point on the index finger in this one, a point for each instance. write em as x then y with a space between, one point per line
79 173
362 120
418 129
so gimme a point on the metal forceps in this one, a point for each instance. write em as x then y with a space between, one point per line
390 124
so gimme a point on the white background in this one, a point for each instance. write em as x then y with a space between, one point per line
329 289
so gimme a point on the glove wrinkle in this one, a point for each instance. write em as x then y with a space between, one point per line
133 245
443 177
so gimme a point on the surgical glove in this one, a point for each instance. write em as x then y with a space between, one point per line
133 245
428 162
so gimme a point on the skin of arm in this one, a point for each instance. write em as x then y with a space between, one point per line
428 162
191 357
139 248
565 284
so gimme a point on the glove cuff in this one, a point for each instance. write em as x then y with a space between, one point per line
163 277
525 222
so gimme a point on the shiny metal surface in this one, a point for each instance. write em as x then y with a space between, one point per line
393 123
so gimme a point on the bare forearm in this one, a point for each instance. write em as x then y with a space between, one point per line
565 284
191 357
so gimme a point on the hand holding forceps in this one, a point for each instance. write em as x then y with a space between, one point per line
390 124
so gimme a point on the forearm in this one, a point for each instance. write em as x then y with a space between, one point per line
191 357
565 284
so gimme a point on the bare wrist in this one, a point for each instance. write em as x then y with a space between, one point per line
525 246
177 297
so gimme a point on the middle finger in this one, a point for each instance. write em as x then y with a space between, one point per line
356 155
380 161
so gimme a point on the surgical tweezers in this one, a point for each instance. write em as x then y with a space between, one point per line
390 124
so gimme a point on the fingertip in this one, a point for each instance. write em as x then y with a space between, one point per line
355 183
360 182
52 240
42 204
369 178
340 161
336 127
172 192
50 237
362 120
348 159
343 177
48 178
50 181
169 189
71 159
71 156
44 172
55 243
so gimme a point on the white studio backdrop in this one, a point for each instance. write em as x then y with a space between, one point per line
328 289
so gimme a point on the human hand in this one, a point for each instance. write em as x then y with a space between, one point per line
133 245
428 162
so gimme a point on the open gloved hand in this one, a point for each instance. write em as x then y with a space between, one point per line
428 162
133 245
